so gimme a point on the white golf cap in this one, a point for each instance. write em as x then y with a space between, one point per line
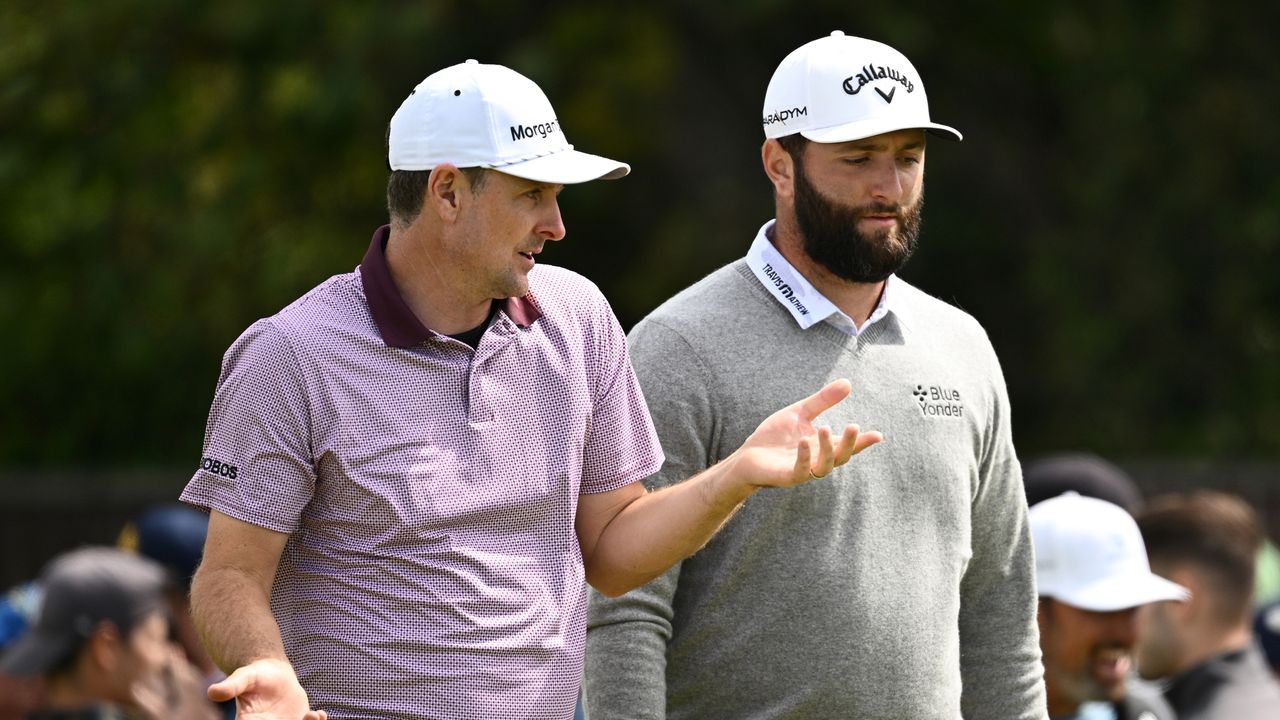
476 115
841 88
1090 555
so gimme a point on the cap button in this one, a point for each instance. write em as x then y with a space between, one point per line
473 61
837 33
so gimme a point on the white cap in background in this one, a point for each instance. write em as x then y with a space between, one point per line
1090 555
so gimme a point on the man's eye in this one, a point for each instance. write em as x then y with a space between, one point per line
534 194
857 160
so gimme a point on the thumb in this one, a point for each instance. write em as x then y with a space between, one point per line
233 686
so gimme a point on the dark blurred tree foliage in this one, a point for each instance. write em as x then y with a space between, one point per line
173 170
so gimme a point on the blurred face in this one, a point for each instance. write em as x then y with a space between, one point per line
1158 648
1087 654
505 225
858 204
143 658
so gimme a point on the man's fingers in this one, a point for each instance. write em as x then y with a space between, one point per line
235 684
853 441
801 470
826 398
826 454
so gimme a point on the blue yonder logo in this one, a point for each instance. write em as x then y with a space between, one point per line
938 401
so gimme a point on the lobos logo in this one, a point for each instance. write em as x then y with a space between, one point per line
938 401
218 467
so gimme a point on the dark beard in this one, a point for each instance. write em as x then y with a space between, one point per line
832 238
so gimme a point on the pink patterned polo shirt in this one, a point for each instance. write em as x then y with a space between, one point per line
429 489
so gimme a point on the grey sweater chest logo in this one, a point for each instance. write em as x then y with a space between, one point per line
938 401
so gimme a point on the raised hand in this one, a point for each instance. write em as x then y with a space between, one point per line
787 449
266 690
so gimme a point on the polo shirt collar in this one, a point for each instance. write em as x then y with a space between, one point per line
396 322
806 304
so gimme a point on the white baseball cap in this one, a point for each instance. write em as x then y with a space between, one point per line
841 88
1090 555
476 115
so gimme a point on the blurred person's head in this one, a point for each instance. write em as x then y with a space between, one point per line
173 535
101 632
1084 473
1093 576
1207 541
844 149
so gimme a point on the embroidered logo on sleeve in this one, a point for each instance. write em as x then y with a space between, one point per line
218 467
938 401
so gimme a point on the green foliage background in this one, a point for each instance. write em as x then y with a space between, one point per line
171 171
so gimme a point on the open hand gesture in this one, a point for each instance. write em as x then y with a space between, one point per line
787 449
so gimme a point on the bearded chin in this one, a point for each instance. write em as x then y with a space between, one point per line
833 240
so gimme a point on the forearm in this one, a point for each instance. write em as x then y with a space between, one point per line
659 529
233 617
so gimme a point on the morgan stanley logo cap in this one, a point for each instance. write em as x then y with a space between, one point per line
1090 555
841 88
476 115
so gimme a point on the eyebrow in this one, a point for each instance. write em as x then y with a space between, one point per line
534 184
881 147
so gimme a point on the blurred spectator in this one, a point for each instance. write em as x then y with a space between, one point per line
1266 627
18 695
1092 573
1084 473
1207 541
173 535
1092 476
100 641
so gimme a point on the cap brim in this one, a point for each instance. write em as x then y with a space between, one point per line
35 654
566 168
863 129
1110 594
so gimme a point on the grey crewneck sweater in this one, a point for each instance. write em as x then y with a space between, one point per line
902 586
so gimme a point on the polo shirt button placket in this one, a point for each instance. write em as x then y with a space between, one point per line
478 407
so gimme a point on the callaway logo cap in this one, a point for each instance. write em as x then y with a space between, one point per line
1090 555
841 88
476 115
81 589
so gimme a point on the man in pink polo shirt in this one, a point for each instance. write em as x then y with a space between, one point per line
414 469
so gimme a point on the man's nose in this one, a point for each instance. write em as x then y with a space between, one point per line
886 182
1122 626
551 226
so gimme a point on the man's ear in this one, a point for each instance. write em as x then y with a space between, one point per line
1183 612
779 166
103 646
442 194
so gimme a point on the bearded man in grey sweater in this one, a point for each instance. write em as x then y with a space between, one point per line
902 587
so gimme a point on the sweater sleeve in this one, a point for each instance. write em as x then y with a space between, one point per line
999 639
627 636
